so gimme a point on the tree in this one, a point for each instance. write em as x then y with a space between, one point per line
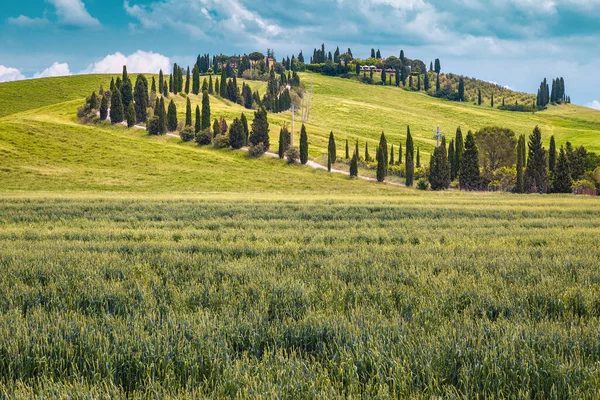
223 86
347 150
162 117
205 110
354 163
161 81
198 124
381 165
468 176
152 89
426 82
378 55
492 101
165 89
196 80
451 160
187 81
284 141
552 155
384 149
519 186
125 76
392 156
437 83
303 145
331 149
211 89
479 97
383 76
244 122
130 115
497 147
418 164
438 66
439 169
217 87
172 117
536 175
188 113
461 89
562 176
367 156
372 53
260 129
409 163
236 134
127 93
116 107
216 128
104 108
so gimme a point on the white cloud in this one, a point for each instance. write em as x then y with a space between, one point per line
138 62
25 21
55 69
8 74
73 12
594 104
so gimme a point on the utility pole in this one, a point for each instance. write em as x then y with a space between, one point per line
438 135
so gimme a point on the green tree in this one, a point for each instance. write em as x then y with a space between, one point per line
381 165
384 149
383 76
562 175
497 147
347 150
260 129
125 76
399 153
438 66
116 107
461 89
104 108
303 145
153 89
127 93
439 169
479 97
284 141
331 148
552 155
519 186
536 175
459 148
418 165
354 163
196 80
236 134
130 115
409 163
367 156
217 87
210 85
188 113
198 125
426 82
172 117
205 110
392 155
469 176
451 160
244 121
161 81
187 81
492 101
216 128
437 83
223 87
162 117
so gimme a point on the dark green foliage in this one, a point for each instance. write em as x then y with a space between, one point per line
140 96
384 149
328 163
354 163
523 153
331 148
172 117
125 76
562 182
458 151
118 83
236 134
392 156
552 154
116 107
127 93
217 87
210 87
439 169
188 113
104 108
438 66
223 83
204 137
469 176
492 101
437 83
162 117
187 81
130 115
195 80
161 81
400 154
479 97
519 186
383 76
244 121
576 159
409 164
260 129
347 150
198 124
381 165
367 156
496 146
216 128
247 96
112 85
153 126
426 82
165 89
536 174
153 89
451 160
187 134
461 89
303 145
285 139
205 110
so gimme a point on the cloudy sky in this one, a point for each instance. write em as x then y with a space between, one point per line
512 42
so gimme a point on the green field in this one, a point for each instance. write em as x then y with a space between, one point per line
142 267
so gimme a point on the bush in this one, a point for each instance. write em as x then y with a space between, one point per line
422 184
187 134
256 150
220 142
153 126
292 154
204 137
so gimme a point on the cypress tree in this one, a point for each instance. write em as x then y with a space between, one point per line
216 128
223 87
284 141
260 129
196 80
153 89
331 149
162 117
409 165
383 77
367 157
478 96
519 187
140 95
244 122
439 169
171 87
165 89
536 175
562 176
172 117
492 101
426 82
461 89
437 83
127 93
116 107
381 165
112 85
468 175
198 125
384 148
552 155
236 134
205 110
303 145
125 76
400 154
161 81
354 163
188 113
328 162
418 165
118 83
523 154
104 108
451 160
438 67
503 102
187 81
392 156
130 115
210 85
458 152
217 87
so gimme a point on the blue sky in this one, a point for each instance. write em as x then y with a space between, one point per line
512 42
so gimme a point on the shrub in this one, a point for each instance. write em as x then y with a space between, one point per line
422 184
292 154
221 142
153 126
187 134
204 137
256 150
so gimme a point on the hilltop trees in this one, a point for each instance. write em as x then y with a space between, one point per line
260 129
461 89
536 176
303 145
195 80
438 66
140 96
172 117
116 107
469 177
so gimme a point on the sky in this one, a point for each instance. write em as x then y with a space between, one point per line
515 43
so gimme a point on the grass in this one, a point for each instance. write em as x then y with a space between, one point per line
325 296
